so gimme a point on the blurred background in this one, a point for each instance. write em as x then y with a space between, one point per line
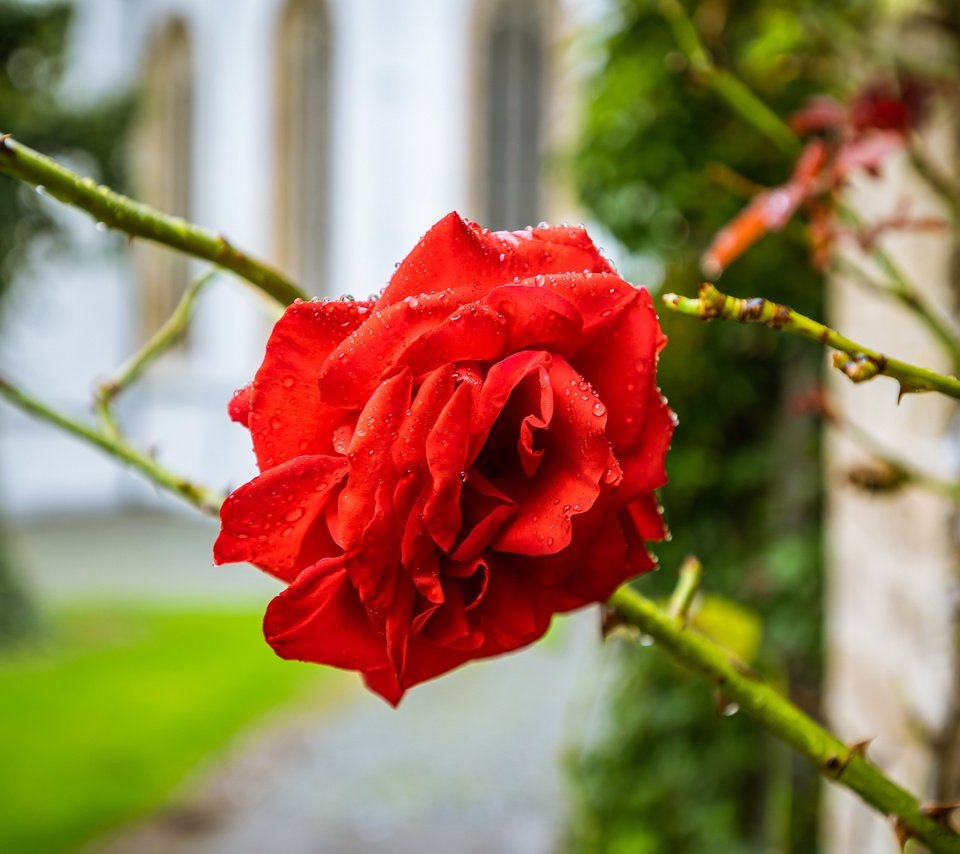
141 710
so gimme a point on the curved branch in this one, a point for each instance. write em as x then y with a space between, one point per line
140 220
205 500
859 363
846 765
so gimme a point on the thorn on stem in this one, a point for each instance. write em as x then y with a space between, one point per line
901 831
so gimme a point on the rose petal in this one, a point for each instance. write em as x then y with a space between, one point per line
409 450
598 297
369 454
530 444
473 332
425 660
287 417
647 517
536 318
447 447
644 466
451 625
621 365
485 510
270 521
320 618
239 407
576 456
498 385
457 254
603 569
515 611
418 553
356 367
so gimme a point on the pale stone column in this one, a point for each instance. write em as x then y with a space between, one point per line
891 564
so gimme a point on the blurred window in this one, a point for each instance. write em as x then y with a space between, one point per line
162 164
303 130
514 61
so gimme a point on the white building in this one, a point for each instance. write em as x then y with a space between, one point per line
323 135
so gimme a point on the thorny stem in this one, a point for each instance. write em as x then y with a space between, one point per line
139 220
736 93
165 337
843 764
858 362
205 500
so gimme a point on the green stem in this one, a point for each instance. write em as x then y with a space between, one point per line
138 219
838 762
736 93
901 290
688 584
858 362
162 340
205 500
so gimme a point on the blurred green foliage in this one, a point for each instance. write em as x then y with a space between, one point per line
661 165
117 704
32 44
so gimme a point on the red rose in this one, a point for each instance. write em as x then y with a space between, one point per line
445 468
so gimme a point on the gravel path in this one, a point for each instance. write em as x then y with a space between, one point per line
468 764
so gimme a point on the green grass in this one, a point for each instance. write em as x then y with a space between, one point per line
102 718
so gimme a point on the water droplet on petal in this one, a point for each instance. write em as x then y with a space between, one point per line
294 514
599 409
288 382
